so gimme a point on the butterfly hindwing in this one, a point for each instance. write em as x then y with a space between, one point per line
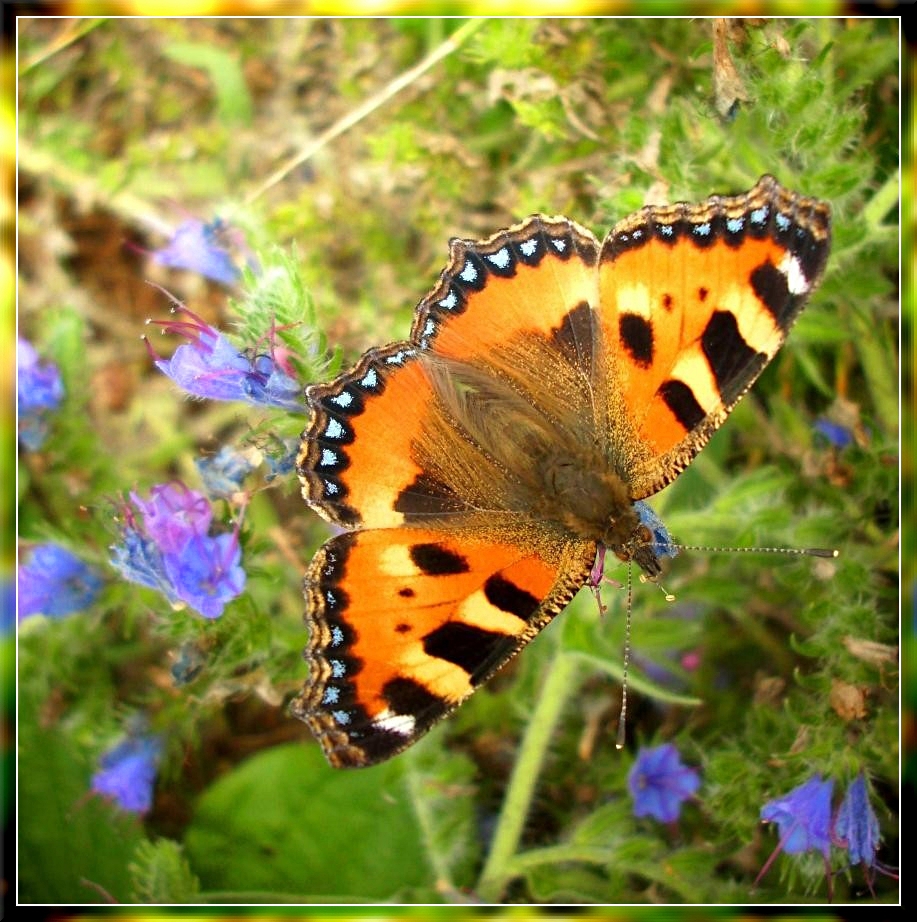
406 623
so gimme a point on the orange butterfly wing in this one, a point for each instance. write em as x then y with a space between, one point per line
406 623
696 300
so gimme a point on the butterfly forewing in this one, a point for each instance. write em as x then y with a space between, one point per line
696 300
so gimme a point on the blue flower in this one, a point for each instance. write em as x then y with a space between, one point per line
660 783
268 384
8 603
174 552
128 772
39 391
803 817
209 365
283 461
856 824
190 660
55 583
200 248
139 560
207 573
224 472
838 436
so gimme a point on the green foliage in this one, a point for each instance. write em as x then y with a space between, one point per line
234 104
521 796
161 874
73 848
243 844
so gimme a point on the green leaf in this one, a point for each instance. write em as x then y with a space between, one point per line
73 847
442 787
234 104
161 874
285 825
563 883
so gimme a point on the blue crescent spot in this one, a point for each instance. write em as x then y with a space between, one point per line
501 258
334 430
449 301
469 273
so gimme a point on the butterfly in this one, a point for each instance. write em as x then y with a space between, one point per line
480 468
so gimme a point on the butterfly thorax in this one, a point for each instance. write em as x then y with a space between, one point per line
592 502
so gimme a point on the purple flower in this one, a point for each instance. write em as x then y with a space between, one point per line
8 603
39 391
55 583
207 573
173 551
173 515
803 817
224 472
856 824
209 365
200 248
838 436
659 783
127 773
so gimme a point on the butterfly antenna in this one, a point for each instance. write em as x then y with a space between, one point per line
829 553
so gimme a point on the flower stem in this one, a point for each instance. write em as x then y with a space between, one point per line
559 685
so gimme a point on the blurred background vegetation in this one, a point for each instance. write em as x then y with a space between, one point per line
127 127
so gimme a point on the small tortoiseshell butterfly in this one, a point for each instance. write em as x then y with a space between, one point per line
549 383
